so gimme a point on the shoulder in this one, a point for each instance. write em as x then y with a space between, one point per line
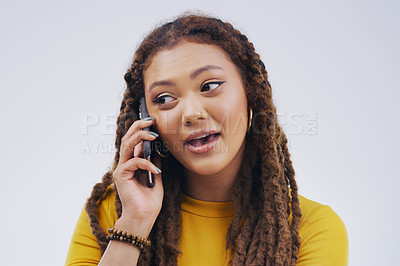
323 235
84 249
107 211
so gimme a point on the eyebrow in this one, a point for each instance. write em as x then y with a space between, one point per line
192 76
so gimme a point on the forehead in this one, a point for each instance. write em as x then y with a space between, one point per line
184 57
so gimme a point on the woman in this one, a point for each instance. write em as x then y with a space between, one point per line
224 189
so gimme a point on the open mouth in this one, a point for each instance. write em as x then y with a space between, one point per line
200 141
202 144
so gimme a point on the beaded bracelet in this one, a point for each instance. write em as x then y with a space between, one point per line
137 241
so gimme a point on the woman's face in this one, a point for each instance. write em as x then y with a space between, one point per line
194 91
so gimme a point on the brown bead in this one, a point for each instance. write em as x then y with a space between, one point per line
128 235
119 232
123 233
110 230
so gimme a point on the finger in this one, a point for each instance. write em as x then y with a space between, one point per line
127 169
156 159
128 145
136 126
138 151
150 176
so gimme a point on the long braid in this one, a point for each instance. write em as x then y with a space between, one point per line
280 183
92 206
242 203
169 216
259 232
295 206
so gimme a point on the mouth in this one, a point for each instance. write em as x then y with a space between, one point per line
203 143
202 140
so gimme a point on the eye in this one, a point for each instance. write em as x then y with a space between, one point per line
163 99
210 86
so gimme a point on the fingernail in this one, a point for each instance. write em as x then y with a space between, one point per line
153 133
158 169
148 118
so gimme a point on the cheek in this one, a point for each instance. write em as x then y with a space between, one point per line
232 112
168 126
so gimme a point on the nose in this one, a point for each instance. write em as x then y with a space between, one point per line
193 112
190 119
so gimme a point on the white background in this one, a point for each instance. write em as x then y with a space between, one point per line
63 60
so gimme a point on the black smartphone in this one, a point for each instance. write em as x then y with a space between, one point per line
147 147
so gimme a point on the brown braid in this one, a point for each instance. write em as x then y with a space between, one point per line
260 232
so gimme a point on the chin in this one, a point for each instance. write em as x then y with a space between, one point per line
207 167
206 171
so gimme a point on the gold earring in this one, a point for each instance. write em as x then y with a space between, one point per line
250 119
159 153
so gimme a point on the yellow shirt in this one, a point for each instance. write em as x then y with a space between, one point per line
204 225
204 228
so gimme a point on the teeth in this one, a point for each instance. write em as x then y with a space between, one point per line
202 136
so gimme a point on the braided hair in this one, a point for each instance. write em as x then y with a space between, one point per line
265 191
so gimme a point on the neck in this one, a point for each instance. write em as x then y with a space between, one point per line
216 187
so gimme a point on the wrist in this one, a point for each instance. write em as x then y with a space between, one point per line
139 227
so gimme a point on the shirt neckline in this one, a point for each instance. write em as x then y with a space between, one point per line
209 209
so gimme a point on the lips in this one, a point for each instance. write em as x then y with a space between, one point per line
200 134
201 141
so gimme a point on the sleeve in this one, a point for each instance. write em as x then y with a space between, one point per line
84 249
324 239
